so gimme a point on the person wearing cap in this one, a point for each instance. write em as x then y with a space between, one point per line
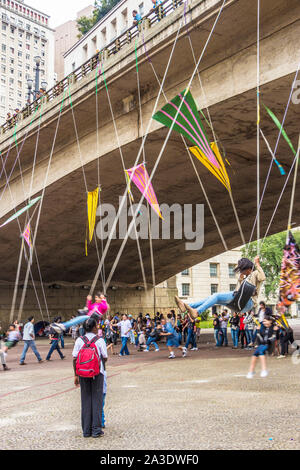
247 270
29 341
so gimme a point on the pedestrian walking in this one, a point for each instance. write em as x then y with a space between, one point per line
29 341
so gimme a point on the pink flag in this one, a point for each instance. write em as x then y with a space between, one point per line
27 236
141 179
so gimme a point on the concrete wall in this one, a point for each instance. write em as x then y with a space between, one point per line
67 299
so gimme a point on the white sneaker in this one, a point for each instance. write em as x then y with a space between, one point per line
172 356
250 375
156 350
146 350
264 373
194 349
281 357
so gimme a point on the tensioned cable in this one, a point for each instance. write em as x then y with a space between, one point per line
40 208
124 170
216 139
166 140
193 164
27 223
282 192
136 162
258 127
275 149
144 155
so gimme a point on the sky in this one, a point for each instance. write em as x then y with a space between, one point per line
60 11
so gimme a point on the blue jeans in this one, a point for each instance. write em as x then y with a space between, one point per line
235 337
27 345
54 345
218 299
249 336
62 341
124 349
191 339
76 321
217 337
103 416
224 337
151 341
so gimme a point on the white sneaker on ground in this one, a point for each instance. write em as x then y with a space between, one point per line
281 356
250 375
146 350
156 350
264 373
172 356
194 349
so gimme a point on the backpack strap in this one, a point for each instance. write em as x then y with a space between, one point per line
87 342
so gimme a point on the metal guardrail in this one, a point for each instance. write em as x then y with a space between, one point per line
127 37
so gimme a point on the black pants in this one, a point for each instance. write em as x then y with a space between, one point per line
91 404
284 345
242 338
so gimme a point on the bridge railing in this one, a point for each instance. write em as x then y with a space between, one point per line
127 37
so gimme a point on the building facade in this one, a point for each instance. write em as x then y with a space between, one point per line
25 35
216 275
66 35
118 20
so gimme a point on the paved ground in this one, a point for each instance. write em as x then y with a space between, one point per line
201 402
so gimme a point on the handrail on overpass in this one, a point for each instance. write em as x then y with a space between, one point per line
164 9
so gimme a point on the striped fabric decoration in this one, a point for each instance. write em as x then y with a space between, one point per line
140 178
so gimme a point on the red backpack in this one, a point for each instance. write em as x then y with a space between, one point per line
88 360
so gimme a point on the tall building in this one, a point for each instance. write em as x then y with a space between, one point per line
65 36
117 20
25 37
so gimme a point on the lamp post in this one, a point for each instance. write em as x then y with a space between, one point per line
34 92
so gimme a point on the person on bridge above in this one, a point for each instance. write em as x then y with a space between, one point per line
137 18
250 272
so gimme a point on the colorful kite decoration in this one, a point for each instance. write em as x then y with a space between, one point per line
140 178
187 122
92 204
280 127
20 212
27 236
290 274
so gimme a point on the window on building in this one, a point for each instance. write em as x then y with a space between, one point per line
3 48
141 8
185 290
213 288
231 268
213 267
186 272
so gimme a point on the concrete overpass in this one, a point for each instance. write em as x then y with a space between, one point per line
228 73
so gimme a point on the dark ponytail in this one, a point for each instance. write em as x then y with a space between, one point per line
89 325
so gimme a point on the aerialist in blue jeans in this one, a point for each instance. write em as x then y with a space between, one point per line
247 269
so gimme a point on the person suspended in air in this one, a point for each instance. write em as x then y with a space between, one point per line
243 299
96 310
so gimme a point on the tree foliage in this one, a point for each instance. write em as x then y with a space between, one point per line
102 7
271 255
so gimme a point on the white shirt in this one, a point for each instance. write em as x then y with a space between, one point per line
28 331
101 347
125 327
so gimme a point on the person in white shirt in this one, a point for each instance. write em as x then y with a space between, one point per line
29 341
91 388
125 326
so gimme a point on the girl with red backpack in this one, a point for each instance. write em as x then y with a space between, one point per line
89 357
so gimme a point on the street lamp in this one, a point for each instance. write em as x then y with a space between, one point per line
36 90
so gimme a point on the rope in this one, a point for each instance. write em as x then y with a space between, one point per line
166 141
40 208
137 160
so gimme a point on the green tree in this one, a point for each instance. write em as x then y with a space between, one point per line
102 7
271 254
